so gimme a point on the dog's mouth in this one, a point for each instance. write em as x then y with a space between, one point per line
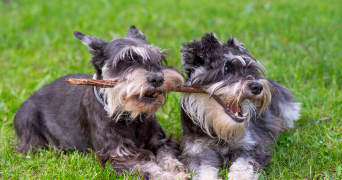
150 96
235 112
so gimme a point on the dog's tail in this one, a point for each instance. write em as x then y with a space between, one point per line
28 126
283 105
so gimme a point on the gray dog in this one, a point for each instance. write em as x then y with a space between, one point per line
238 121
118 123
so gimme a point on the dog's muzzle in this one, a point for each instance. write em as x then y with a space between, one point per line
156 79
255 88
256 93
235 113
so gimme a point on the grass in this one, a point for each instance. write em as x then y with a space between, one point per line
298 41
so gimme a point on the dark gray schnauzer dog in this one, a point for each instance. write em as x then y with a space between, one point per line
241 116
118 123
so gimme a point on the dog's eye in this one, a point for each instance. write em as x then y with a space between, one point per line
226 68
128 57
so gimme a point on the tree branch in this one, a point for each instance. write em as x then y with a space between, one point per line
110 84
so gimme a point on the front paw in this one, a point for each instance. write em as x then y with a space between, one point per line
182 176
169 163
162 176
240 175
170 176
242 169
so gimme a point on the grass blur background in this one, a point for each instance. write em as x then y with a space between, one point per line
298 41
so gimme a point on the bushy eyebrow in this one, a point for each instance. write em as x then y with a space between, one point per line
148 54
231 57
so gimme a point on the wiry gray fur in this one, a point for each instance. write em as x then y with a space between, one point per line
66 116
217 66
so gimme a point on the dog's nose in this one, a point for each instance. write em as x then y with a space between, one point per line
255 87
156 79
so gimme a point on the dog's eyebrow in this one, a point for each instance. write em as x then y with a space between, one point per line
131 50
147 53
261 66
231 57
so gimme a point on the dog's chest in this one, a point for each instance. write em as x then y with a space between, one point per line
137 131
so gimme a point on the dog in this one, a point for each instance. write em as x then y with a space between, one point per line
118 123
243 113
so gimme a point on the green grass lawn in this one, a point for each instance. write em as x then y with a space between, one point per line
299 42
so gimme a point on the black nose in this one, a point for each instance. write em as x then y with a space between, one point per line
255 87
156 79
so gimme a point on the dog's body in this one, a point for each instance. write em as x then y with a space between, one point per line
120 126
237 123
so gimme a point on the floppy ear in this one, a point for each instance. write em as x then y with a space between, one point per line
95 45
134 32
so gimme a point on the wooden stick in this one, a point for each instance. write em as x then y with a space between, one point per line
110 84
91 82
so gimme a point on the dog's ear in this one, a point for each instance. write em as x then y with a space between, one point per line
210 42
236 45
211 48
191 57
134 32
199 53
95 45
191 54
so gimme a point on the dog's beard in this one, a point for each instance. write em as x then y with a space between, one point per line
213 118
133 93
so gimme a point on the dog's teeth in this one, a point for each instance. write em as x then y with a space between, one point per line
241 117
236 114
244 115
155 95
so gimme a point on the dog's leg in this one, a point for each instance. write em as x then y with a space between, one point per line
201 159
28 126
244 168
167 157
167 151
127 157
151 170
206 170
124 156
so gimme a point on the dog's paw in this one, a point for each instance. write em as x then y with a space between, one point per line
171 176
169 163
175 167
242 169
182 176
163 176
240 175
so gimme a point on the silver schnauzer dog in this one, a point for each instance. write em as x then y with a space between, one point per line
118 123
244 112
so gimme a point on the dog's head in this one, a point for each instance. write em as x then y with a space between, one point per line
235 80
140 69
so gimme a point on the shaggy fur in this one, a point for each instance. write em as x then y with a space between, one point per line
125 130
241 116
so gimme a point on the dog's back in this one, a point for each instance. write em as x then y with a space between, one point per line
283 105
53 111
